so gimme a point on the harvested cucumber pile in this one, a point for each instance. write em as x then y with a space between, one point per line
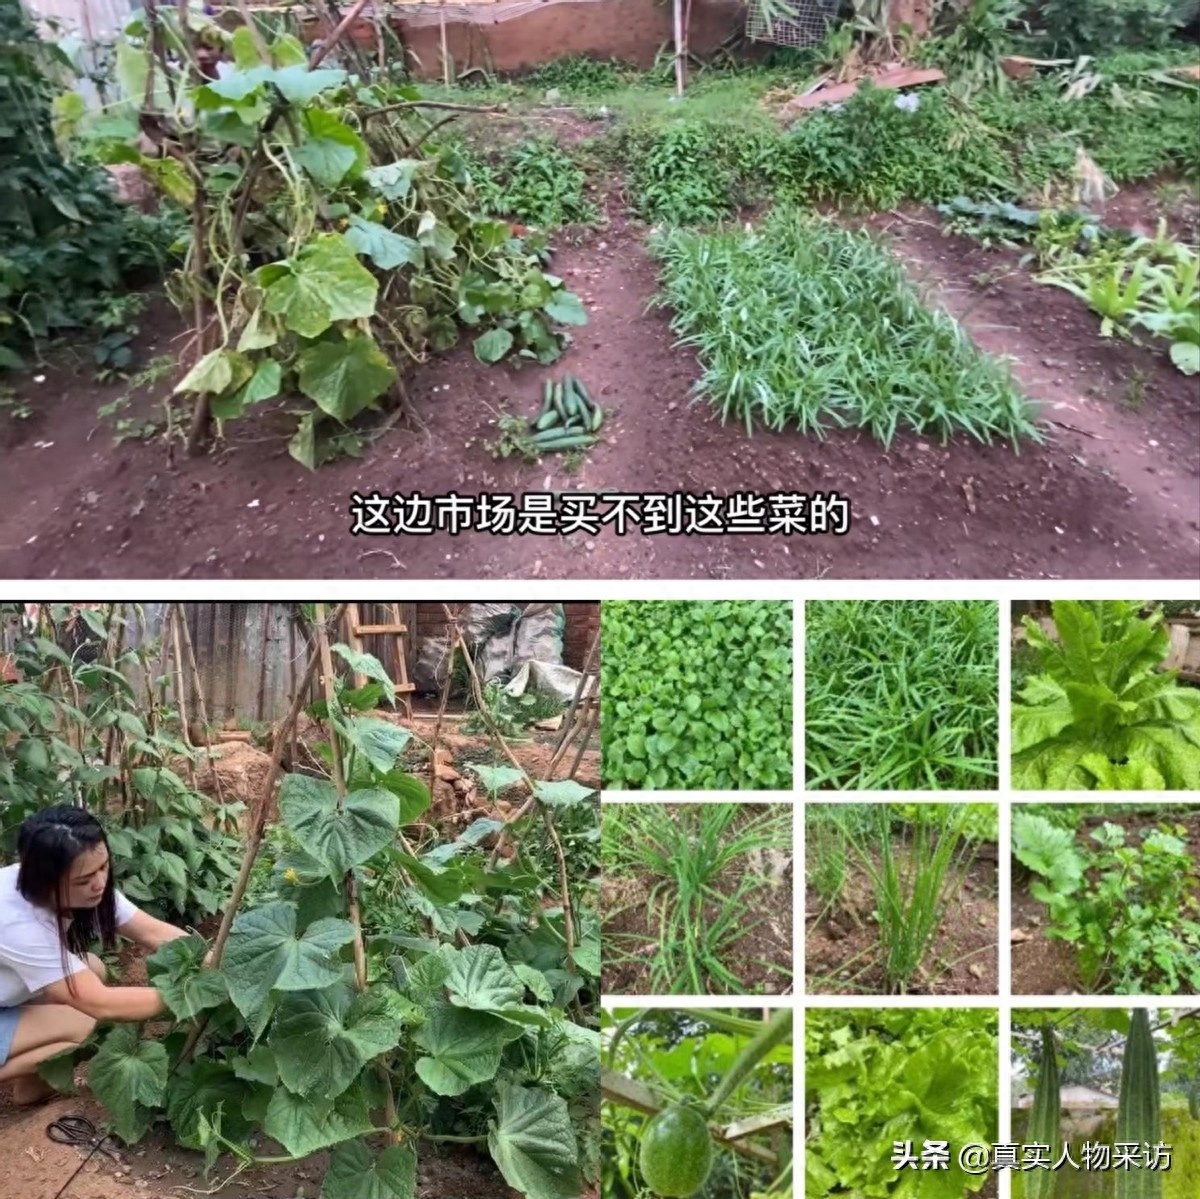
569 419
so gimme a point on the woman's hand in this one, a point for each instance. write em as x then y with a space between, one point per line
144 930
86 993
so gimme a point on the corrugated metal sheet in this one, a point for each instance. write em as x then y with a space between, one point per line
86 29
93 20
250 656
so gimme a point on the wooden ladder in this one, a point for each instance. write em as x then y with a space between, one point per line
394 627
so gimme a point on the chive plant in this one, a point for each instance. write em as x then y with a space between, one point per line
700 864
916 869
825 853
901 695
801 323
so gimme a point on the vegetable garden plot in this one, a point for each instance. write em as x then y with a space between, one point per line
696 898
885 1075
802 323
1102 1076
385 978
1106 900
901 695
901 898
697 1103
697 695
1096 711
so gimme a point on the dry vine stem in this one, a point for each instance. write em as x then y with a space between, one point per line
527 806
257 828
201 415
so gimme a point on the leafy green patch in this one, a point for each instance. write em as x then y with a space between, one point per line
1100 714
698 162
878 1077
901 695
536 182
802 323
697 695
1126 902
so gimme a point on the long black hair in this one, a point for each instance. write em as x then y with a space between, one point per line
48 844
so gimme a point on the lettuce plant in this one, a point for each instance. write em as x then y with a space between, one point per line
1099 715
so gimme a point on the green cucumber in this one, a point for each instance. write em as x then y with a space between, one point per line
547 396
1138 1109
571 399
597 418
563 441
559 403
585 395
546 421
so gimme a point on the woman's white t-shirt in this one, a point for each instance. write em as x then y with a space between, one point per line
31 955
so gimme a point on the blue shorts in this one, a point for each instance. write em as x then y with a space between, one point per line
9 1019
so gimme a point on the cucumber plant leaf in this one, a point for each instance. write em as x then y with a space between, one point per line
129 1077
462 1048
561 793
345 375
200 1090
188 988
354 1173
305 1125
265 953
323 283
367 821
533 1143
322 1039
379 741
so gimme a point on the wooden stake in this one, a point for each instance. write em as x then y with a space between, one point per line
350 882
570 725
678 5
201 704
254 842
445 52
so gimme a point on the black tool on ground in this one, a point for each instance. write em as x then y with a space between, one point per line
74 1129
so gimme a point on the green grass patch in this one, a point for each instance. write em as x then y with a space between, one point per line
803 324
693 159
900 695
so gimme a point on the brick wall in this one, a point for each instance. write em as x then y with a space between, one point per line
479 36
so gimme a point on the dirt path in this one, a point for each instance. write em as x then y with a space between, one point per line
1122 409
155 1168
77 506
